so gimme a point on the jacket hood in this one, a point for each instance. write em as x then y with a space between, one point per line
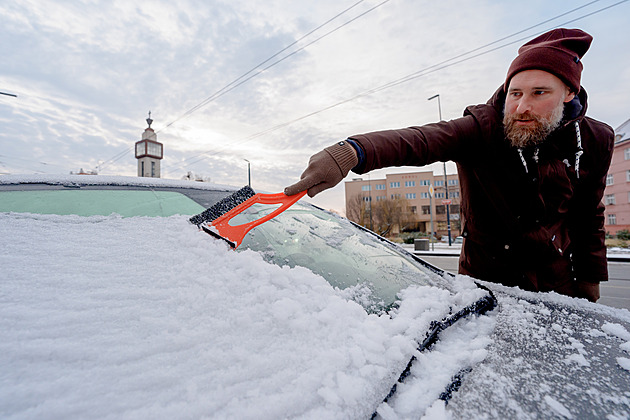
573 110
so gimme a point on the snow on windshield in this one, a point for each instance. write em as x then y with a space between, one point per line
110 317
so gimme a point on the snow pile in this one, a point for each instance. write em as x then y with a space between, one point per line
105 317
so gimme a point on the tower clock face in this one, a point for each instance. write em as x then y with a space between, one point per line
154 150
149 148
140 148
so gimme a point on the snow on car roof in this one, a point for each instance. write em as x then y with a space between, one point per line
111 180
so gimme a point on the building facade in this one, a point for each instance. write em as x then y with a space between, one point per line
418 197
617 193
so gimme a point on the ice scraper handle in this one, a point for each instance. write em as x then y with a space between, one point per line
235 234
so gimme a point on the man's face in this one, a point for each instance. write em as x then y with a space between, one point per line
533 106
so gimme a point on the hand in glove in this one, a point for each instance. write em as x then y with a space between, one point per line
326 169
587 290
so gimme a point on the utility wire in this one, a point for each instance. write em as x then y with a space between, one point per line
423 72
235 83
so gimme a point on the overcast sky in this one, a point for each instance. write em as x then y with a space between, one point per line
86 73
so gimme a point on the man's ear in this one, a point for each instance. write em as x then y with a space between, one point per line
569 97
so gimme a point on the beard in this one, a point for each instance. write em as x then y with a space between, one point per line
523 136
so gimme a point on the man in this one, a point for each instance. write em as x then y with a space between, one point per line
532 170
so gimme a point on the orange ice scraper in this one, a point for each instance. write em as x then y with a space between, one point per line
216 219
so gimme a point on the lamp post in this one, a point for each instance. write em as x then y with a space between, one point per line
249 173
8 94
448 216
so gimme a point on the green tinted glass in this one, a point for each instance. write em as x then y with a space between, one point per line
99 202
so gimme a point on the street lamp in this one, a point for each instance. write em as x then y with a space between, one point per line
448 215
249 173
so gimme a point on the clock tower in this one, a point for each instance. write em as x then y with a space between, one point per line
149 152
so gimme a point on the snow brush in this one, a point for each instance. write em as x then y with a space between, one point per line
216 219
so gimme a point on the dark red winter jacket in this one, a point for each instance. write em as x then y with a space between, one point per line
537 229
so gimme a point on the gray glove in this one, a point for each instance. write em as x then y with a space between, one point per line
326 169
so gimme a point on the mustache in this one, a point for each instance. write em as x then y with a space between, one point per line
526 116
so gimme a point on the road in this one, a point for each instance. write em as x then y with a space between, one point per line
615 292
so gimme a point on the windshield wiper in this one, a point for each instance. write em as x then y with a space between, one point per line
480 307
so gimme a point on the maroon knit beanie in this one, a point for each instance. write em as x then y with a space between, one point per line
558 52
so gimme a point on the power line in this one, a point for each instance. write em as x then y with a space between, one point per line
234 83
423 72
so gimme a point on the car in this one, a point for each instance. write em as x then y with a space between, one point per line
115 305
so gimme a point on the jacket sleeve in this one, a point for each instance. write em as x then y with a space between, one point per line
587 221
417 146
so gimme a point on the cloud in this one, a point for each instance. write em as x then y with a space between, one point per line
86 74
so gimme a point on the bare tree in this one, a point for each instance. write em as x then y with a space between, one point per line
357 210
391 213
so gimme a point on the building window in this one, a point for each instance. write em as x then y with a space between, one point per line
426 209
367 199
410 183
440 209
610 199
452 182
626 154
439 195
612 219
365 188
454 194
395 196
439 183
380 186
413 209
142 168
153 169
425 182
628 175
410 196
394 184
424 195
609 179
381 198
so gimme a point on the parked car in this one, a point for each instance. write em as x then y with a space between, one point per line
114 305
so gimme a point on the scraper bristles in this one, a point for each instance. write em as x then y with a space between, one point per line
223 206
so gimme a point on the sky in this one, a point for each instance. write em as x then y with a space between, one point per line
233 81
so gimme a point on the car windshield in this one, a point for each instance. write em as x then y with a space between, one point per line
372 270
369 269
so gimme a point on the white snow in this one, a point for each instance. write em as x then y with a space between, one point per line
620 332
106 317
557 407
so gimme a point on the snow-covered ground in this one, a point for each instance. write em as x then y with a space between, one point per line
105 317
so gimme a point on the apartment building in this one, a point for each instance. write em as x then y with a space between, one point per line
617 193
423 193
